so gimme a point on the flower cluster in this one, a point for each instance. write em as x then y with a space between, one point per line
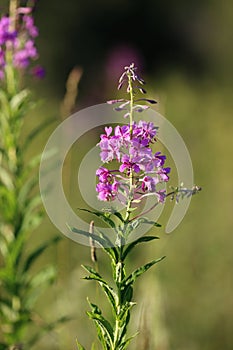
136 161
19 39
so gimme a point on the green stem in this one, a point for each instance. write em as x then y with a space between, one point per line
11 81
13 13
131 93
119 277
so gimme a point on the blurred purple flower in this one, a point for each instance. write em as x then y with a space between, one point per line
6 34
119 56
38 72
30 27
21 41
22 57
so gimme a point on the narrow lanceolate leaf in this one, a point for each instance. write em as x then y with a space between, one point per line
4 249
114 212
91 270
138 272
142 220
44 276
103 241
112 297
25 191
103 216
101 323
125 343
133 244
79 346
95 238
109 248
104 326
5 178
18 100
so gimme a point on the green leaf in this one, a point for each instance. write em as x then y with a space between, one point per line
102 337
79 346
96 238
91 270
125 343
102 241
32 221
37 252
5 178
5 107
4 249
93 347
144 220
138 272
18 99
37 284
103 216
136 222
44 276
125 308
33 203
115 213
25 191
15 250
104 325
124 318
127 293
133 244
94 308
112 297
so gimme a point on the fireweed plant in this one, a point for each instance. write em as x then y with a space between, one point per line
137 173
20 210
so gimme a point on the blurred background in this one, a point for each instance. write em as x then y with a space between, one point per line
184 52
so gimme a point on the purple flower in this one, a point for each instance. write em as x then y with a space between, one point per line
128 165
104 174
30 27
123 132
163 174
139 169
161 195
145 131
22 57
107 187
38 72
6 34
158 159
149 183
21 41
